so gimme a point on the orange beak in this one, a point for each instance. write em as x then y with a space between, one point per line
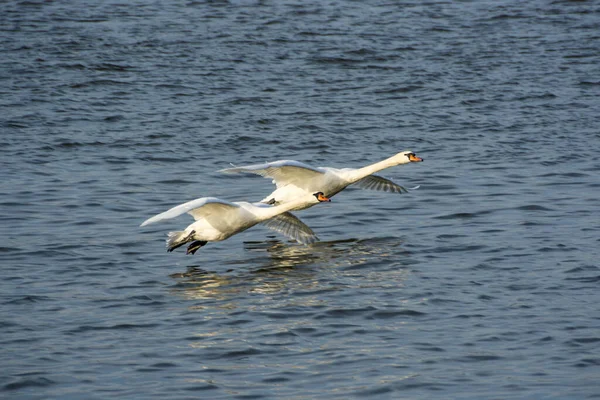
414 158
322 198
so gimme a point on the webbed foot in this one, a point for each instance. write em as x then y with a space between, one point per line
193 248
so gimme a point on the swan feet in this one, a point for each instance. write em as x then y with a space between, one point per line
193 248
272 201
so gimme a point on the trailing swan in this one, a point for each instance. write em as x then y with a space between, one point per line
218 220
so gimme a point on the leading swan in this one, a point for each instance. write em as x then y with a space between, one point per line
218 220
295 179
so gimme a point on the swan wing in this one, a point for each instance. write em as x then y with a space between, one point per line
376 182
291 226
283 172
199 208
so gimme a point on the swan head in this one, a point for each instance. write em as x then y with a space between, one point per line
407 157
321 197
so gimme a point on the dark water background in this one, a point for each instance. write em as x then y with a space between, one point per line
484 283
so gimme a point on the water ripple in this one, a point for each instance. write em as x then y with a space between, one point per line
482 283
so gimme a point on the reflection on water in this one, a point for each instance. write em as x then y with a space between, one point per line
274 266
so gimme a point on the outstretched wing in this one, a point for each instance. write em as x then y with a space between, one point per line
376 182
283 172
199 208
291 226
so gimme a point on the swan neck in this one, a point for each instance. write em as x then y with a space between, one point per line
373 168
285 207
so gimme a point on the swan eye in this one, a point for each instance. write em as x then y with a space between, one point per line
409 155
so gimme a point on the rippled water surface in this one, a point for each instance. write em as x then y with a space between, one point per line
483 283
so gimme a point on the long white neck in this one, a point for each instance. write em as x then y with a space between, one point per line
271 212
360 173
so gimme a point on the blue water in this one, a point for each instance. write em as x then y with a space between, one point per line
481 284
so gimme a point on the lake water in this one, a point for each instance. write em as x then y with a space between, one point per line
483 283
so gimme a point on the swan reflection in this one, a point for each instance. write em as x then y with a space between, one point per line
276 266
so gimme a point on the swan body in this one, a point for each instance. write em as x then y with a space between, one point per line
295 179
217 220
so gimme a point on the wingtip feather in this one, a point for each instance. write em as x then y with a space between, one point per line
146 222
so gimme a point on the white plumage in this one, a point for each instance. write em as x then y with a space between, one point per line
295 179
217 220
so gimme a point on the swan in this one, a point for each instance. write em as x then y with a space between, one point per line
295 179
218 219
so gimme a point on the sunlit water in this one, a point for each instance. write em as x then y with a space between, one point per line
483 283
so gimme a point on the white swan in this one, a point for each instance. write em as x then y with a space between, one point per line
295 179
218 219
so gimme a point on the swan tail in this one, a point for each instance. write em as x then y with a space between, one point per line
178 238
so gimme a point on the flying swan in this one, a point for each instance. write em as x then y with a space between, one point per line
218 219
295 179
